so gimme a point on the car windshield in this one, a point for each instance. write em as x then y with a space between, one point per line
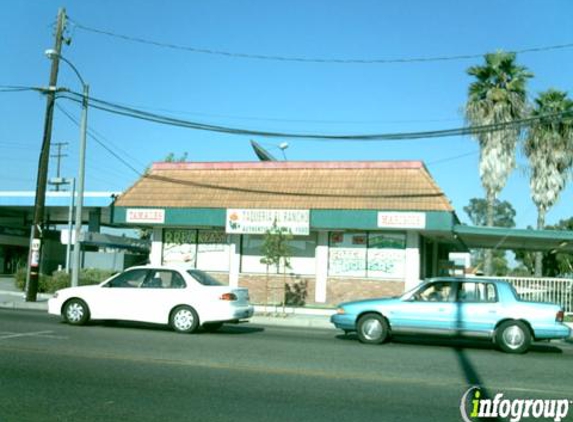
204 278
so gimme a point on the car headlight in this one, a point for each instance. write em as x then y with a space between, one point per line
55 296
340 311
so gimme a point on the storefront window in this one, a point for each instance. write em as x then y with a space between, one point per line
367 254
180 247
347 254
302 249
203 249
212 250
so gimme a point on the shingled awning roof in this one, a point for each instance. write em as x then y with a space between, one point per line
380 185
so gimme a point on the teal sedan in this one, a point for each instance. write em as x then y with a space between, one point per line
460 307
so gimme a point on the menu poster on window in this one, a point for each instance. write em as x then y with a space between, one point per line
347 261
387 263
179 246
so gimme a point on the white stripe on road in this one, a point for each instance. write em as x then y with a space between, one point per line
15 335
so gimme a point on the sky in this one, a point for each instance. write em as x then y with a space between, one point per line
272 95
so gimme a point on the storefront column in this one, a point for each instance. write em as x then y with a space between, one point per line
412 260
321 262
156 246
234 259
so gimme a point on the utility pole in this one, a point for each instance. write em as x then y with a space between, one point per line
35 254
58 181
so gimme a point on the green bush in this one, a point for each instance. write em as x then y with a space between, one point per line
60 279
89 276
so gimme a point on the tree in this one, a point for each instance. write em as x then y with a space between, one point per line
549 148
276 251
503 216
555 263
497 96
503 212
169 158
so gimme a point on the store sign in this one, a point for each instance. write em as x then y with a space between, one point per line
402 220
147 216
255 221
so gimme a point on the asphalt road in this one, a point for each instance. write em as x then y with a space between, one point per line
50 371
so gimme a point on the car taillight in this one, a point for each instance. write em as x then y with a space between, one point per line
228 296
560 315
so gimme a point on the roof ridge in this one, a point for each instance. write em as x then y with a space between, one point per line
286 165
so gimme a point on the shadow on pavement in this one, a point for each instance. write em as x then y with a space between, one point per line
227 329
454 343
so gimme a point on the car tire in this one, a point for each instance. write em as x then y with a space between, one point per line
372 329
212 327
184 319
76 312
513 337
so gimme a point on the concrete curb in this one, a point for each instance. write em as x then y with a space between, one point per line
293 321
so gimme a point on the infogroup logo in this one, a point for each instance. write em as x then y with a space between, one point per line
474 406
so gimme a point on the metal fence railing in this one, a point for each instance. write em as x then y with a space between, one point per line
550 290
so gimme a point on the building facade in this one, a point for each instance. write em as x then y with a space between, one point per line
359 229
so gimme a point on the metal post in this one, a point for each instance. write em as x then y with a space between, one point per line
70 224
81 178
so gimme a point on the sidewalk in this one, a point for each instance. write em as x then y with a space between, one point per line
12 298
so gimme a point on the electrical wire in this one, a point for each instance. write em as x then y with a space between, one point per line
110 107
11 88
307 59
95 138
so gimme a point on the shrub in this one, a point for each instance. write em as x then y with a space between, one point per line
43 283
61 279
89 276
296 294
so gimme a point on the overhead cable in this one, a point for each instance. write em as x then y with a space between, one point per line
167 120
308 59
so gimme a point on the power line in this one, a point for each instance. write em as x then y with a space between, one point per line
95 138
307 59
110 107
12 88
455 157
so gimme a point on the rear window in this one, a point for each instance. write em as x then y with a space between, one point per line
204 278
477 292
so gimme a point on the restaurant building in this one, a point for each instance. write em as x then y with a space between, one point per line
359 229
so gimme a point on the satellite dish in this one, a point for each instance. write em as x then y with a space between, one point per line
262 153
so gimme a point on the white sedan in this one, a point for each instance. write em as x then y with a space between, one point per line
185 299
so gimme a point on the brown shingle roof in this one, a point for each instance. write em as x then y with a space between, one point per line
399 185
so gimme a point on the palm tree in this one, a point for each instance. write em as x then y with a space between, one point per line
549 148
497 96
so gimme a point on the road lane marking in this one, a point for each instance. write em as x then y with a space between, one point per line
48 334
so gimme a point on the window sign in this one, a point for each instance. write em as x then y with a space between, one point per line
256 221
180 247
387 263
373 254
347 254
387 255
402 220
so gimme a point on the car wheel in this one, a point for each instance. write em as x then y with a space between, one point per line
76 312
513 337
184 319
212 326
372 329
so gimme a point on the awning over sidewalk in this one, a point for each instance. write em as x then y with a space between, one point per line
505 238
